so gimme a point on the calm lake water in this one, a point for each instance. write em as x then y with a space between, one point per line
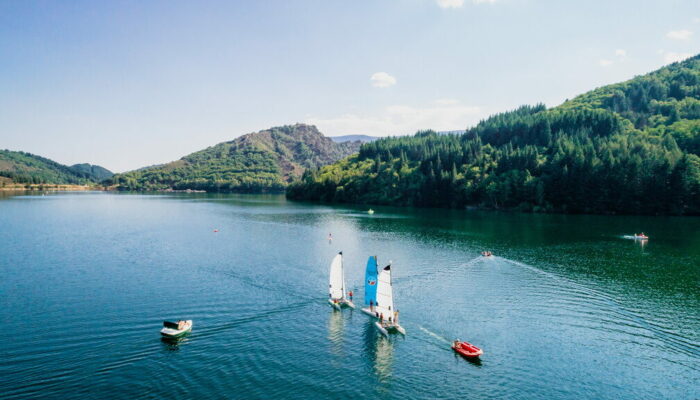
566 309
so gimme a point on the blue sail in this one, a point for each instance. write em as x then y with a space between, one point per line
371 280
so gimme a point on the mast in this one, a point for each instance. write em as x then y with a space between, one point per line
342 276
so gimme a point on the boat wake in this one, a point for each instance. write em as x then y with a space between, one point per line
449 269
256 317
620 313
433 334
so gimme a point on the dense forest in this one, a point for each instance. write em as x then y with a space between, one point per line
631 147
26 168
264 161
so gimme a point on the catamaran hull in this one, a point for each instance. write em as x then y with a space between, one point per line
368 312
385 330
341 303
334 304
381 329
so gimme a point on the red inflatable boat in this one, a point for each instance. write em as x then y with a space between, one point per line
467 349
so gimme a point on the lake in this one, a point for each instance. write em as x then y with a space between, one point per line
567 308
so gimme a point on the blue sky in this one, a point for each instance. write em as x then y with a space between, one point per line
126 84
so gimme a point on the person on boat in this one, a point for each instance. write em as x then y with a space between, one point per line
350 295
396 317
371 305
456 344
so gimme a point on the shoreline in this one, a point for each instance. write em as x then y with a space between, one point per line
49 188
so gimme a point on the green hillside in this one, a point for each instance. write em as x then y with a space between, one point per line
264 161
95 171
26 168
631 147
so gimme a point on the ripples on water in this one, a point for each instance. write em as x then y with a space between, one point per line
561 312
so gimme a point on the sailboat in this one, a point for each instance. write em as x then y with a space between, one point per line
336 285
371 286
381 299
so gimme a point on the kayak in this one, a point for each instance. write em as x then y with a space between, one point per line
467 350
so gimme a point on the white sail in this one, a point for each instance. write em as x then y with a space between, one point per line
336 286
385 297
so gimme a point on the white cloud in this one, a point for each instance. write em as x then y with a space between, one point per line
682 34
402 119
671 57
483 1
620 55
696 20
382 80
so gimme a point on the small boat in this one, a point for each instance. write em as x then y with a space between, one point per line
216 230
486 253
176 329
466 349
370 211
640 236
336 285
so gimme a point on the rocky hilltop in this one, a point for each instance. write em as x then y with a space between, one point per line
256 162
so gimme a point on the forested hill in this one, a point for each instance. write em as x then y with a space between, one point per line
26 168
257 162
631 147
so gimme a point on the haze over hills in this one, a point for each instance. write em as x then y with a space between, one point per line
367 138
24 168
630 147
353 138
263 161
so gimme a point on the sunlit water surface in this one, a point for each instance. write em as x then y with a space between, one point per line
567 308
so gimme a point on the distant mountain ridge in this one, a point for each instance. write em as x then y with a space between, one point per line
256 162
27 168
368 139
353 138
